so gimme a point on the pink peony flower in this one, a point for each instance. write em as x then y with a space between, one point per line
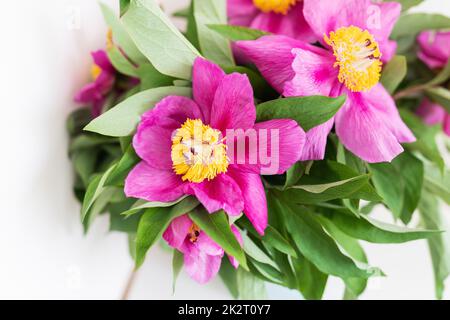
434 48
284 17
434 52
350 63
182 150
104 76
202 256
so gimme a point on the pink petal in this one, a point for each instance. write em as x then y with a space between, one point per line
314 74
388 49
280 143
273 57
153 139
293 24
446 126
233 105
88 94
316 142
325 16
254 197
232 259
222 192
148 183
382 22
434 48
207 245
369 126
201 266
101 59
431 112
206 78
176 233
241 12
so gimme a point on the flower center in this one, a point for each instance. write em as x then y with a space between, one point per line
193 233
198 152
357 56
277 6
95 71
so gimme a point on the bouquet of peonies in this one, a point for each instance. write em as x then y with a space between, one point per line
258 142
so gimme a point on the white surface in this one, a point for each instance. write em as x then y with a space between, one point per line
44 60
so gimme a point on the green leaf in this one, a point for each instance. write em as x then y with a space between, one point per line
439 245
236 33
255 252
214 48
408 4
177 264
95 189
154 222
274 239
400 184
393 73
309 112
426 138
159 40
120 223
88 141
120 35
311 281
152 78
371 230
123 167
318 247
217 228
249 286
84 162
121 63
440 95
294 174
442 76
183 13
143 205
261 88
124 4
122 120
438 183
412 24
228 274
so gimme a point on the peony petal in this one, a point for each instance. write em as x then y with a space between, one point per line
88 94
200 266
272 55
431 112
325 16
233 105
434 48
207 245
222 192
446 125
380 23
254 198
153 138
176 233
148 183
388 49
316 142
238 236
206 77
314 74
241 12
366 127
101 59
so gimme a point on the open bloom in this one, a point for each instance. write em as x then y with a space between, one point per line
350 63
202 256
284 17
434 52
182 146
103 76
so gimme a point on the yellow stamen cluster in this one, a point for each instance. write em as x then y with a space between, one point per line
193 233
198 152
357 56
277 6
95 71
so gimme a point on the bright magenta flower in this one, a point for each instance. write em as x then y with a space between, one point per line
283 17
182 148
350 62
202 256
434 52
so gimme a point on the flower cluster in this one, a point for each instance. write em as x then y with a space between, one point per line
265 143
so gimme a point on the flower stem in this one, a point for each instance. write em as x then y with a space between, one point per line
129 285
410 91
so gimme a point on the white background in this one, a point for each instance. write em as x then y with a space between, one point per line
43 253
